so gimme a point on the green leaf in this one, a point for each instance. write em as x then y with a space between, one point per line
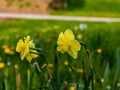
118 61
106 75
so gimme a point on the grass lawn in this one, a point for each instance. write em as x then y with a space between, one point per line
95 8
102 36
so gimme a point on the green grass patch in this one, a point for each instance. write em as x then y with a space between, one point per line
97 8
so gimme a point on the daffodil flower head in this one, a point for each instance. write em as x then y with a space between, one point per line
23 47
67 43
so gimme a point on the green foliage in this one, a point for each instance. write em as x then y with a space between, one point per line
74 4
106 75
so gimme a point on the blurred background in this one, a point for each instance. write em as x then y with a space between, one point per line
106 8
101 37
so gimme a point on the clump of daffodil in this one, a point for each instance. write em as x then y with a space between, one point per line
67 43
24 48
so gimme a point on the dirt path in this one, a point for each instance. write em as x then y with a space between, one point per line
26 6
53 17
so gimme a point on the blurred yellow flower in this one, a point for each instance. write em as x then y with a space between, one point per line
8 50
4 46
94 81
102 80
72 88
66 63
50 65
80 70
23 47
99 50
65 82
16 66
2 65
79 36
67 43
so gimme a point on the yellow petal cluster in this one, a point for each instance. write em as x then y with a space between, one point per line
67 43
72 88
102 80
8 50
99 50
2 65
23 47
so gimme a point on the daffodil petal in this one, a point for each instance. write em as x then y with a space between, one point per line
62 49
27 39
20 45
30 56
74 48
75 45
69 34
60 39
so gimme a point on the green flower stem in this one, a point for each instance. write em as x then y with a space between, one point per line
88 54
56 75
77 87
84 77
90 62
38 68
6 84
28 79
6 81
16 72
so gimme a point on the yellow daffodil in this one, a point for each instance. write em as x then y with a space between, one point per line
8 50
66 63
2 65
102 80
4 46
79 36
72 88
67 43
23 47
80 70
99 50
50 65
